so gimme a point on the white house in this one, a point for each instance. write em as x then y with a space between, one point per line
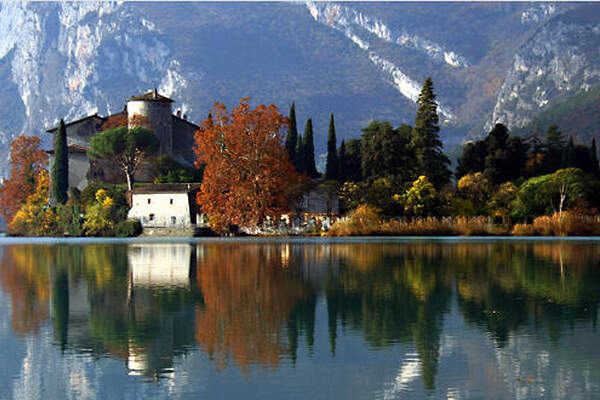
166 205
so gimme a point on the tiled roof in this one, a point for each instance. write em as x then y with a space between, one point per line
166 188
52 130
152 96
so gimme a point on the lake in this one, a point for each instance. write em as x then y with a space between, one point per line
296 319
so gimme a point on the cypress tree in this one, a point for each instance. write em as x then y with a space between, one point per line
291 139
309 151
595 169
331 169
569 154
426 143
299 162
60 166
343 166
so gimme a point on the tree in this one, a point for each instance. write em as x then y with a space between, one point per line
353 172
385 151
331 168
555 146
426 144
291 139
594 167
124 147
506 155
308 151
27 161
420 199
476 188
60 166
472 159
248 171
300 154
36 217
343 162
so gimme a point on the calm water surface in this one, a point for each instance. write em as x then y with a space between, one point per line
373 319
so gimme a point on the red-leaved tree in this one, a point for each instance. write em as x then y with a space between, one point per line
248 171
27 160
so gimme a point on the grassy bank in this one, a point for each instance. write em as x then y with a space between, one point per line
365 221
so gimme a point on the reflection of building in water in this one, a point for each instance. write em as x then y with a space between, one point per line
161 264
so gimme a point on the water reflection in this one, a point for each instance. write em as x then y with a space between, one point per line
255 304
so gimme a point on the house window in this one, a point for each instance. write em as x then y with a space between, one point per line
170 201
173 220
151 217
149 201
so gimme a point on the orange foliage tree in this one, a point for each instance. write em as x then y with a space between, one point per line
27 161
248 171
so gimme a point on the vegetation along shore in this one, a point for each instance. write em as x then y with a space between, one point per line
249 171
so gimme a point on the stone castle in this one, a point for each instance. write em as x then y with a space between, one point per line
175 133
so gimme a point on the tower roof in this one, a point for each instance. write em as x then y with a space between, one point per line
152 96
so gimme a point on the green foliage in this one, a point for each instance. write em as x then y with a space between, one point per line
425 143
541 195
167 170
475 188
384 151
60 166
308 151
331 168
291 139
115 192
353 170
300 150
128 228
125 147
421 199
70 220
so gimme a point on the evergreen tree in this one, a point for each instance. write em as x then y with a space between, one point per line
60 166
343 163
331 168
569 154
506 155
426 144
291 139
384 151
309 150
595 168
555 147
353 172
300 156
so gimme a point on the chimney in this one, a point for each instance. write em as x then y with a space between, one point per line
185 116
155 93
178 113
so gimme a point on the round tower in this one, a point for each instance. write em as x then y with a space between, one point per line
153 110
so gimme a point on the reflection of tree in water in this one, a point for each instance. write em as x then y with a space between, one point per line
549 285
250 296
392 295
95 306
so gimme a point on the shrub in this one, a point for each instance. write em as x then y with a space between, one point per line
70 220
363 221
99 218
128 228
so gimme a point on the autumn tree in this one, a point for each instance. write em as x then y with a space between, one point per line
27 161
126 148
248 171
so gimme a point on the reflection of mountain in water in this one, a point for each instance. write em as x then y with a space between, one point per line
255 304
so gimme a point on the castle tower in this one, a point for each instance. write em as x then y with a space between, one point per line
154 110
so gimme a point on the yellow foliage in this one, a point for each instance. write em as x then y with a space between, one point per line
36 217
98 219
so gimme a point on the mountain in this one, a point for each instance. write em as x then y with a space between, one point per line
360 61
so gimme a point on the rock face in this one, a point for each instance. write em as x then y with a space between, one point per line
360 62
561 59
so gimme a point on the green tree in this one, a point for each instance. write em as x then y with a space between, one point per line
331 168
124 147
301 152
421 198
555 147
343 162
60 165
472 159
426 144
291 139
506 155
476 188
385 151
309 150
594 168
353 161
568 158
